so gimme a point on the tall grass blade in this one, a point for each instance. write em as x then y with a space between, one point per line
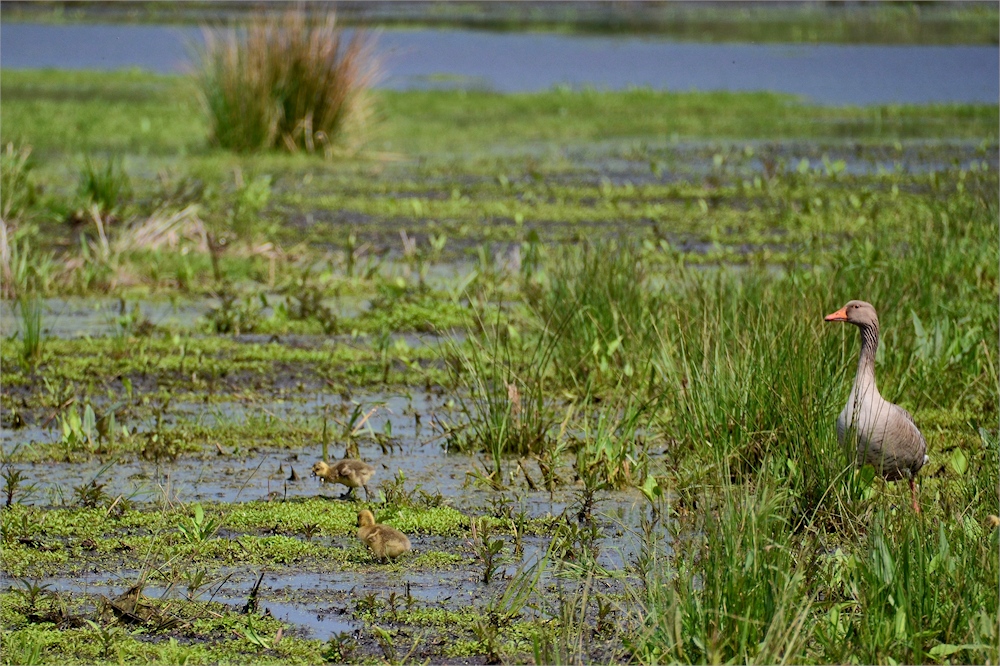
30 307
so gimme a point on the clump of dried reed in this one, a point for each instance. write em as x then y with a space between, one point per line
289 81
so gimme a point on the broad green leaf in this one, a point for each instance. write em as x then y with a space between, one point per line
650 488
959 461
945 649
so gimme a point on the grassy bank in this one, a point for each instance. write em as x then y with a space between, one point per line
67 112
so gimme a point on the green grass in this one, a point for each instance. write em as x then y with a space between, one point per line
15 178
158 116
734 589
106 186
129 111
601 309
454 121
503 401
30 309
923 592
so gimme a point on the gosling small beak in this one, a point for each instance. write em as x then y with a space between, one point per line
839 315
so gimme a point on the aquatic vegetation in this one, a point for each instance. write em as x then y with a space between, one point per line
608 454
236 313
241 212
505 377
104 640
397 307
658 476
486 549
30 308
14 485
305 294
198 529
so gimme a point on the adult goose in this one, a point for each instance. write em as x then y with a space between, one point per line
886 436
352 473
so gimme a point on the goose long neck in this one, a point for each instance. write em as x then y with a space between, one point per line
865 378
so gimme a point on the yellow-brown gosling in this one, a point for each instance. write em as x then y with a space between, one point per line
382 540
351 473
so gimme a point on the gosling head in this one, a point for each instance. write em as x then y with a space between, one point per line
859 313
365 518
320 468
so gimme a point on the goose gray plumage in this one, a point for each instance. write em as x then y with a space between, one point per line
886 436
352 473
382 540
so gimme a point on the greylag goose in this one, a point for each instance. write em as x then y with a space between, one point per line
887 438
382 540
351 473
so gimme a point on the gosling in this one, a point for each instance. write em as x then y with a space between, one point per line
382 540
351 473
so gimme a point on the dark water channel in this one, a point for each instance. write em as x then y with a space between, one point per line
851 74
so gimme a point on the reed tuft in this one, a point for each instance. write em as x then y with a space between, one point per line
288 81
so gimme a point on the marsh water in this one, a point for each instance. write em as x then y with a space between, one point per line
314 603
852 74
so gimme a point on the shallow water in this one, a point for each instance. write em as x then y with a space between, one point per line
318 618
418 452
320 604
96 317
689 161
264 475
852 74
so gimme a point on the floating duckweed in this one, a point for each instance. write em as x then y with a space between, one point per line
439 520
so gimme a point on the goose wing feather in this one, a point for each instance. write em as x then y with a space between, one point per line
905 440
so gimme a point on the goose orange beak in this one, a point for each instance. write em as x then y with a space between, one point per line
839 315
